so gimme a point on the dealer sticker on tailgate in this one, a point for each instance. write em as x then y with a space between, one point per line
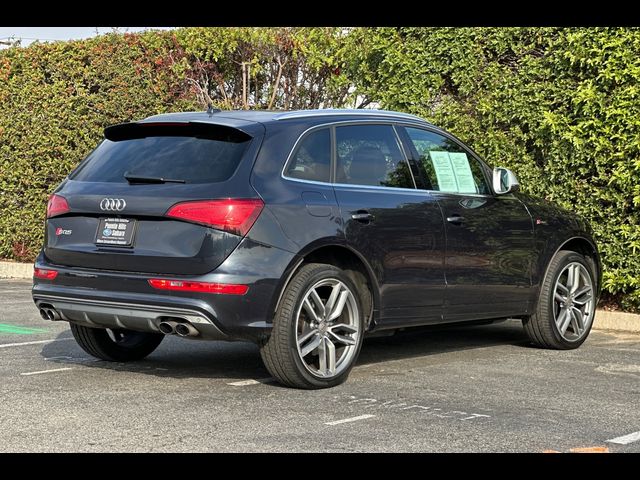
116 232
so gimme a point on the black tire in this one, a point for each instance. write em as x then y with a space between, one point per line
541 326
280 352
130 346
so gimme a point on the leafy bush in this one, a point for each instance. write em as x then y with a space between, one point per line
559 106
57 98
265 68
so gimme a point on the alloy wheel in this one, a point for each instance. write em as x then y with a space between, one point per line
574 302
327 328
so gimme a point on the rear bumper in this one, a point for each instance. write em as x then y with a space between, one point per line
111 299
106 312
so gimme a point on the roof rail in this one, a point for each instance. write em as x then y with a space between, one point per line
345 111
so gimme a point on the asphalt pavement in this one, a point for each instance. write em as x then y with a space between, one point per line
460 389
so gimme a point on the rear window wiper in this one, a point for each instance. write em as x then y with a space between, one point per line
141 179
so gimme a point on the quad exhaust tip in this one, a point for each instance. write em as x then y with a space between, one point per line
49 314
181 328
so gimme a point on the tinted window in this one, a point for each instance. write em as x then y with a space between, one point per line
448 166
194 160
370 155
312 158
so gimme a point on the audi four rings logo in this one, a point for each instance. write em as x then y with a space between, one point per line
112 204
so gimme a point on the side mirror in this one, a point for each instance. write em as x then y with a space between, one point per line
504 181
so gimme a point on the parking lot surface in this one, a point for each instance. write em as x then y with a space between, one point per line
474 388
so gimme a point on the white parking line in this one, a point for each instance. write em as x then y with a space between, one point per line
352 419
36 342
634 350
244 383
626 439
47 371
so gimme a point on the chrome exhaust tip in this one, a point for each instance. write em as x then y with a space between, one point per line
49 314
167 327
186 330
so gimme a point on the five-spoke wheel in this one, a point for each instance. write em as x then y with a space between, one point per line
574 301
564 313
318 328
328 327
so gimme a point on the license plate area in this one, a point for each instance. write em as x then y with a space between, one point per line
115 232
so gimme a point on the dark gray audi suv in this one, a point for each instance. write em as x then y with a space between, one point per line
303 232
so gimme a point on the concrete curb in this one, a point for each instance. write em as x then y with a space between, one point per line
605 320
16 270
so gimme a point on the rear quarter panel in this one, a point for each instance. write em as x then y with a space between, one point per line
306 212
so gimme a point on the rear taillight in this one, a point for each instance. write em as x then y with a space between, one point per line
202 287
57 205
44 274
231 215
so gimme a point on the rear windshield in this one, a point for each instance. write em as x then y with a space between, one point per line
187 158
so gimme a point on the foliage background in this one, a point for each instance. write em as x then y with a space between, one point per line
561 107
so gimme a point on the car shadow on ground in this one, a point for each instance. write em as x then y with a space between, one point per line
179 358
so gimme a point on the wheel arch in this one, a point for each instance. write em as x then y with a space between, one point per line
585 247
344 257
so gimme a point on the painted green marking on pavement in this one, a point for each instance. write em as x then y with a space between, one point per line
14 329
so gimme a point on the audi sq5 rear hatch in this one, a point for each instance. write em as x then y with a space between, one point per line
170 198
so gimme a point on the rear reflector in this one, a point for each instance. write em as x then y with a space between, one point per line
236 216
44 274
57 205
203 287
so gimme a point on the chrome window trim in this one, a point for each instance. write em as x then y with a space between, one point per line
386 189
393 189
349 185
332 126
474 195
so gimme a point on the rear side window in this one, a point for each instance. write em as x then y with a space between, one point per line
192 159
312 158
371 155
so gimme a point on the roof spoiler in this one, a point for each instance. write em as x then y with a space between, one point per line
136 130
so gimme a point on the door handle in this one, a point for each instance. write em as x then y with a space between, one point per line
364 217
455 219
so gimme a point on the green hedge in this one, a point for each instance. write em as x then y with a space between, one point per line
55 99
561 107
